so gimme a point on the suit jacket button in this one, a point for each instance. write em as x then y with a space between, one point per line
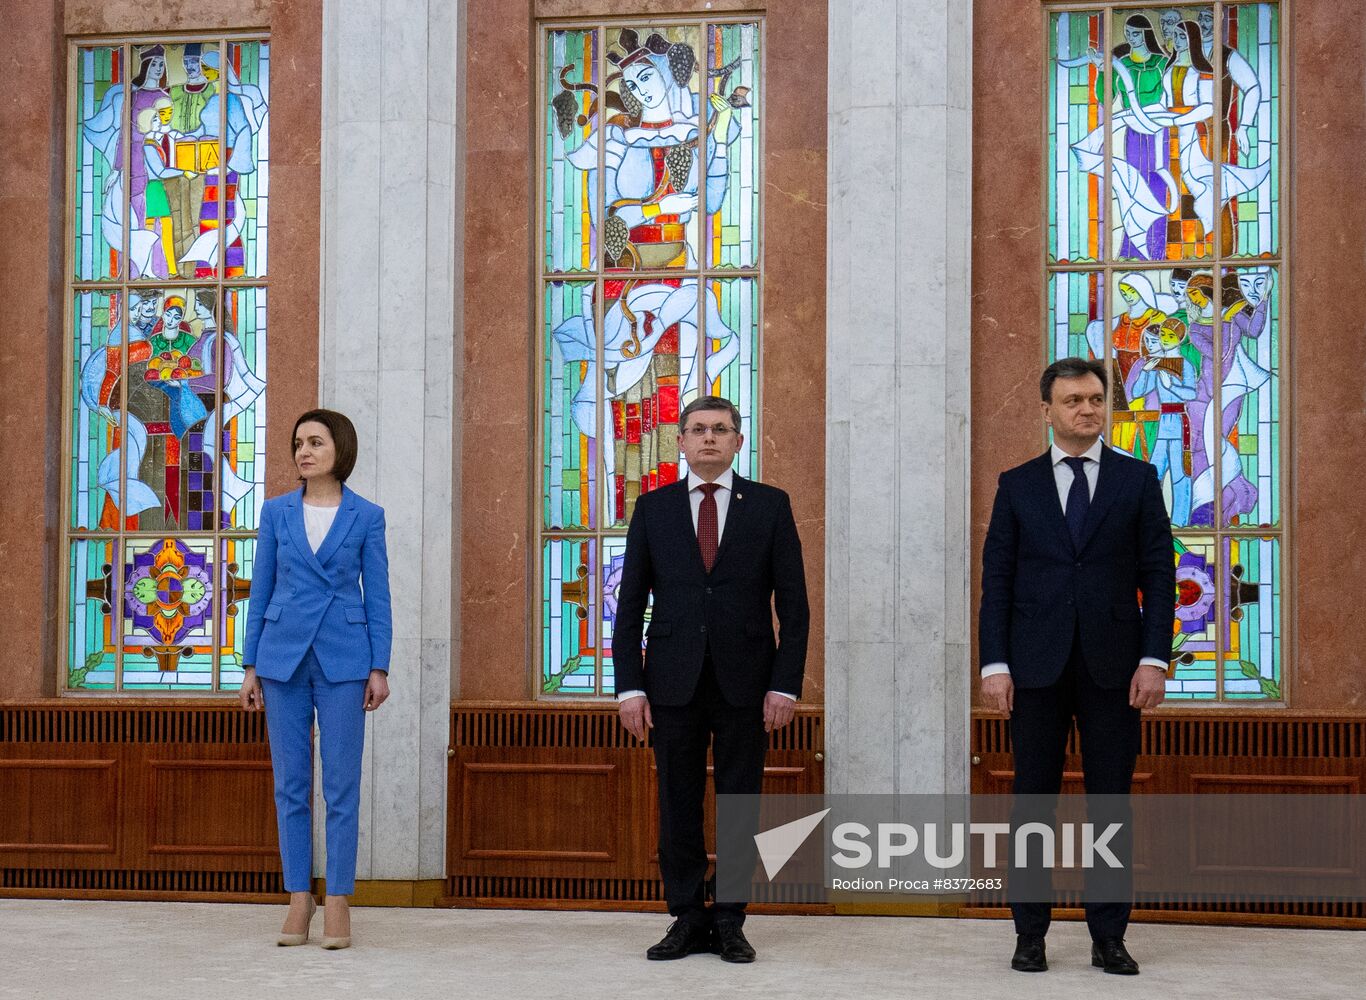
1078 565
708 590
704 628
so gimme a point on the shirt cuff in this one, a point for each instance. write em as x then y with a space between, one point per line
1153 661
784 694
991 669
628 695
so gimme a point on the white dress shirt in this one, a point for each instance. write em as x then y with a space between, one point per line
1063 476
722 497
317 523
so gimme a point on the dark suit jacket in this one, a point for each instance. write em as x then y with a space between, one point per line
726 610
1037 590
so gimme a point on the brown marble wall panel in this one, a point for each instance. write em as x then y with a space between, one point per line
1325 295
32 274
497 489
1327 300
33 78
112 17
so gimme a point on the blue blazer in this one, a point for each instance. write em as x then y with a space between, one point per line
301 599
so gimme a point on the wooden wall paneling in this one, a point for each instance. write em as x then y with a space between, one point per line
555 805
114 800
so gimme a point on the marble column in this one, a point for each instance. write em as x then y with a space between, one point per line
389 339
897 403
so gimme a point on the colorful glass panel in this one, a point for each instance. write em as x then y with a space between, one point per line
665 119
1195 632
613 559
166 611
571 155
651 175
569 411
1075 115
233 580
1178 137
243 400
643 387
93 394
731 233
1252 602
569 582
93 583
97 194
247 183
167 417
1076 315
1249 395
1252 61
731 342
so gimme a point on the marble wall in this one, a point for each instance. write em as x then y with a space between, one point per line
390 201
897 419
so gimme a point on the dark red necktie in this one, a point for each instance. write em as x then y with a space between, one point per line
707 531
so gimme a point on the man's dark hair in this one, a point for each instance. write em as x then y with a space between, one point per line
343 438
1070 368
710 403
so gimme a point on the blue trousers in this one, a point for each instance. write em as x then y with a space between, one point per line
341 738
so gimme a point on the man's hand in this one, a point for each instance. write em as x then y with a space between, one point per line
778 711
249 694
376 690
998 693
635 716
1148 687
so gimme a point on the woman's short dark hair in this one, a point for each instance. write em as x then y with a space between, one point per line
1070 368
343 438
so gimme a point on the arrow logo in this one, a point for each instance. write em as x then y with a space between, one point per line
777 846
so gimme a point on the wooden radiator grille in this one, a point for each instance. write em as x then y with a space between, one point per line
1334 909
1215 736
237 883
582 728
224 724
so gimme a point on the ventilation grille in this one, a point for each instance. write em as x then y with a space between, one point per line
1330 909
1186 736
600 890
184 883
589 728
67 723
612 890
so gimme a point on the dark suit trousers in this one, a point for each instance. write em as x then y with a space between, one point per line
1109 730
739 743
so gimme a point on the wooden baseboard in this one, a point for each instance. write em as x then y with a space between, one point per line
1221 918
424 893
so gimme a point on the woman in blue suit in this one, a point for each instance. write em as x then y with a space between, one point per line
317 641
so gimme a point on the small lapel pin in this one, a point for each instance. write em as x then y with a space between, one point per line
739 496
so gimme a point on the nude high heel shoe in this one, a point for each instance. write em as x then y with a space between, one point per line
293 940
337 943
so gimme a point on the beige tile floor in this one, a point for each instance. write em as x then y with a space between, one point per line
199 951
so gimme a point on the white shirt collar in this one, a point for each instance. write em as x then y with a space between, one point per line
1092 453
724 480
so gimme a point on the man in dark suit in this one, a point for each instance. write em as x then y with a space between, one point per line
1076 536
720 554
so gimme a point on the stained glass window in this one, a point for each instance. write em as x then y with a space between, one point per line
651 287
1164 247
166 359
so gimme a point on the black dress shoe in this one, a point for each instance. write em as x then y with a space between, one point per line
681 940
1110 954
1029 954
731 944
